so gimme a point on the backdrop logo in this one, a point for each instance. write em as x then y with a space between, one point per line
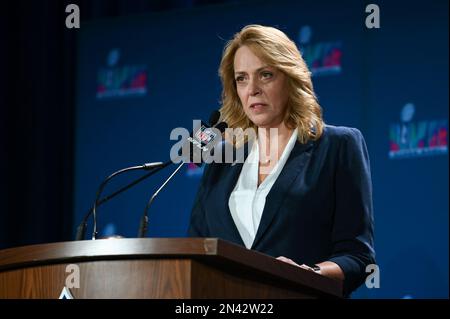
121 81
417 139
322 58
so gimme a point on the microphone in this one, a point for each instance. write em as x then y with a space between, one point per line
202 139
81 229
153 167
214 118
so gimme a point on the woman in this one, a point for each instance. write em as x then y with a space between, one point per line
310 201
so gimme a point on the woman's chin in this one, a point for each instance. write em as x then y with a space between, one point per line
264 124
260 121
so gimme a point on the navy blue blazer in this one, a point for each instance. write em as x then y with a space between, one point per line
319 209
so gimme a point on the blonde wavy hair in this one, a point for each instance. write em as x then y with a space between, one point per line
274 48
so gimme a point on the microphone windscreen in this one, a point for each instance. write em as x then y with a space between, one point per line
214 118
221 126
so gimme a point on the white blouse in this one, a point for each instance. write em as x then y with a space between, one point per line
247 200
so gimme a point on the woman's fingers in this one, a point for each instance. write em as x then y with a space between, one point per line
288 260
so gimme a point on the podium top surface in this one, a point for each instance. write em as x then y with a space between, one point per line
203 249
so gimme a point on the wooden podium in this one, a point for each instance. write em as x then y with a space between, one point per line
155 268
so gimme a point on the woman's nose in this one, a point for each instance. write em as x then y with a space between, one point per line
254 88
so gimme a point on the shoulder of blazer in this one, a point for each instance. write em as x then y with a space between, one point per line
339 135
340 132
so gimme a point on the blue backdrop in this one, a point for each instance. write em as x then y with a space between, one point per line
141 76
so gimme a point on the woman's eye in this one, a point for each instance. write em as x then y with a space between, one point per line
267 75
239 79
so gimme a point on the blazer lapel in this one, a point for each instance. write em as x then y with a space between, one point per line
280 188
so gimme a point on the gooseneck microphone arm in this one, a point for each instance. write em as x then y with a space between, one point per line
144 220
82 227
147 166
137 181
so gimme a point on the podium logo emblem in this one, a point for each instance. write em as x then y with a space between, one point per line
66 294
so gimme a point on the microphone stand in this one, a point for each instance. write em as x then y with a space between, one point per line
144 220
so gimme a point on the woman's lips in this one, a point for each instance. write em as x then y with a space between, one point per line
257 106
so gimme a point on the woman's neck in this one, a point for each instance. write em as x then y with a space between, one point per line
272 142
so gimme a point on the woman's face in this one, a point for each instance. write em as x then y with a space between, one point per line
262 89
